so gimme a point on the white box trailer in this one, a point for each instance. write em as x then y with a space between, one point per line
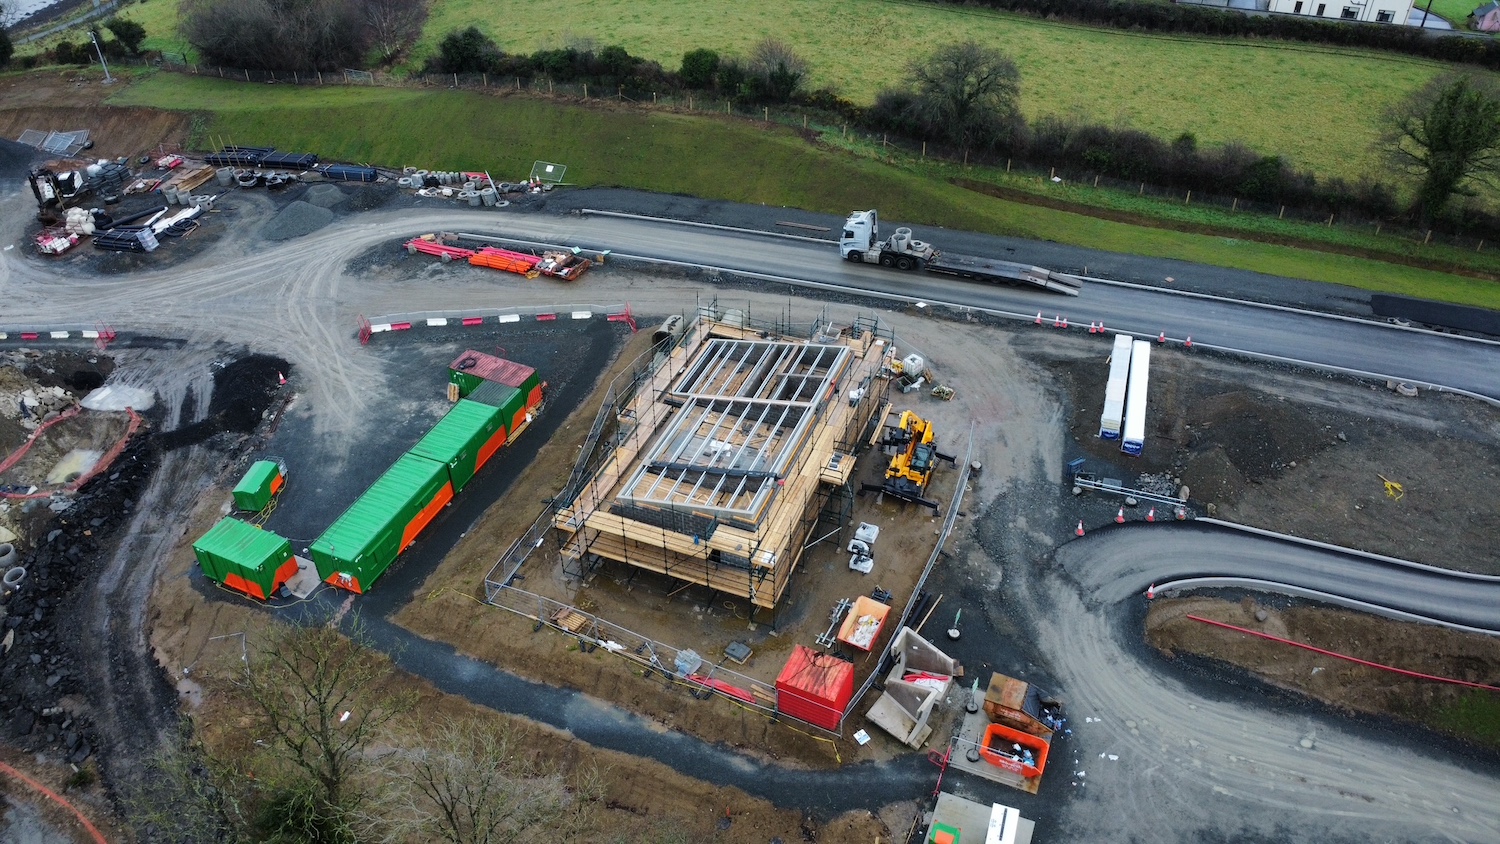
1114 391
1134 438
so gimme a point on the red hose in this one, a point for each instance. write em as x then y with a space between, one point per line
1419 675
50 795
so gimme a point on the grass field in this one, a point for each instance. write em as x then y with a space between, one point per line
705 157
1317 108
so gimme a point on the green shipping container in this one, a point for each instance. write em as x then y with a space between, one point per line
364 541
261 481
459 439
510 400
245 557
471 369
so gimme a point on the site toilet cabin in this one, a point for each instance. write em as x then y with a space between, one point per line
514 411
815 687
363 542
463 440
472 368
262 481
245 558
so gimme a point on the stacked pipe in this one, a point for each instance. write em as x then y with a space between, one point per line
504 259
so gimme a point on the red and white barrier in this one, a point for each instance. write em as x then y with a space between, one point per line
470 319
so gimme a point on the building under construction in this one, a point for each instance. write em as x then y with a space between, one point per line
727 452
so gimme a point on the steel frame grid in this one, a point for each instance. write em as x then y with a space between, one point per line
749 409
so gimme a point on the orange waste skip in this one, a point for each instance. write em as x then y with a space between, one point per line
815 687
998 748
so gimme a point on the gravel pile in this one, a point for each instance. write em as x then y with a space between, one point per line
324 196
297 219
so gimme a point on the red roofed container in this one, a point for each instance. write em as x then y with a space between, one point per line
815 687
471 369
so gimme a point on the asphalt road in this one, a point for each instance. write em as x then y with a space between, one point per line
1354 345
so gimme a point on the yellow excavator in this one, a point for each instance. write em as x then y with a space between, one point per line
910 470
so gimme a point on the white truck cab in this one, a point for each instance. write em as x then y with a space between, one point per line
861 243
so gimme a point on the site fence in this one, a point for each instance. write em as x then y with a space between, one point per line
838 132
537 548
490 316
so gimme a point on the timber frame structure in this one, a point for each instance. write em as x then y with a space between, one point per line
725 455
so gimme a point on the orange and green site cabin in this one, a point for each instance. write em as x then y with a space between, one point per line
464 440
471 369
245 558
510 401
363 542
261 482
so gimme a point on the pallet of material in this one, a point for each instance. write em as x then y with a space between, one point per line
189 179
505 260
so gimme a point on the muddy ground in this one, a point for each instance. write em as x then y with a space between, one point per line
1344 685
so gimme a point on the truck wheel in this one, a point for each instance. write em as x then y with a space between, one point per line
855 258
903 263
887 261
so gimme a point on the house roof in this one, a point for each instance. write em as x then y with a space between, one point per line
1491 6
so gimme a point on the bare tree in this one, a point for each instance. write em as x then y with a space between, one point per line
393 24
1448 136
966 93
777 69
472 783
183 795
318 694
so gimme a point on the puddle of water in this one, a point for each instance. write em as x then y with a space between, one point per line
74 465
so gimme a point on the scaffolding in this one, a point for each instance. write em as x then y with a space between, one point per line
724 454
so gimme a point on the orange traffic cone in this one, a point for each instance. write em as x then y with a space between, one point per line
1181 513
1057 321
1120 517
1188 343
1162 338
1151 592
281 379
1151 515
1065 322
1079 531
1038 317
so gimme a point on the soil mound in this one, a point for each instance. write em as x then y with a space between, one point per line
297 219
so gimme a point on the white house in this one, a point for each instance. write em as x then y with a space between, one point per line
1373 11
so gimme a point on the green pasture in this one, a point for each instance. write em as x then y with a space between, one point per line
1317 108
707 157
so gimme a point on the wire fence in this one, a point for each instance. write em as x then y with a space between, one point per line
1066 179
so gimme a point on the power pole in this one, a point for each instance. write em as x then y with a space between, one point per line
94 36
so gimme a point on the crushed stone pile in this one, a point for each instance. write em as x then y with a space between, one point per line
297 219
324 196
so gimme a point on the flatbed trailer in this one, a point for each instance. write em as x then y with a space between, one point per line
861 243
995 270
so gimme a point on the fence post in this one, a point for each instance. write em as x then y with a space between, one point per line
1236 205
1096 180
1189 200
1007 165
620 93
1428 239
924 150
966 157
804 122
221 73
585 90
1280 215
1377 226
653 98
1330 221
294 78
690 102
768 114
1480 247
1142 191
844 130
247 75
885 141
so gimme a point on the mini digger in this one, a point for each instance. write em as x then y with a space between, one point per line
910 470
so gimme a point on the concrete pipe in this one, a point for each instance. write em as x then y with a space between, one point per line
471 196
12 579
669 332
7 555
487 196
